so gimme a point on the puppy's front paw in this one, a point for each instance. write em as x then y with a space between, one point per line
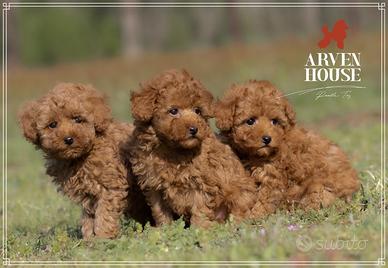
259 211
87 228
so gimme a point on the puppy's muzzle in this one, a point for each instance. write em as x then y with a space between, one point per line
193 131
266 139
68 140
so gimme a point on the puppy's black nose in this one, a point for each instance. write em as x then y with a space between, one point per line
193 131
68 140
266 139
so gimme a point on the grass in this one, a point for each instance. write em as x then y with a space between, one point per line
44 225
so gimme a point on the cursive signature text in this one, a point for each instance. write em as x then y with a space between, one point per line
333 94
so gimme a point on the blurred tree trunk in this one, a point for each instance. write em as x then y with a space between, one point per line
234 23
13 53
155 29
276 21
354 22
207 21
311 19
130 31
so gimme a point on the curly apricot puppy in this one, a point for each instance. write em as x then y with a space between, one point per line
181 166
73 126
291 165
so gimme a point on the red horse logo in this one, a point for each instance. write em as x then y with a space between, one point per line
338 34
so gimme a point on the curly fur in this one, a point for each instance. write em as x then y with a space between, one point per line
298 167
91 170
194 176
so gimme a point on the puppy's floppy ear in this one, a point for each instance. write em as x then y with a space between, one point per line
208 107
27 121
289 112
143 102
186 74
102 114
96 103
206 99
224 112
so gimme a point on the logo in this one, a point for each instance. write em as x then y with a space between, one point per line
303 243
333 67
338 34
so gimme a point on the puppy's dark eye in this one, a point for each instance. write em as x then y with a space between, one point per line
197 110
53 124
173 111
250 121
274 122
77 119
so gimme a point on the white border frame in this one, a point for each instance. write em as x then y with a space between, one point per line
379 5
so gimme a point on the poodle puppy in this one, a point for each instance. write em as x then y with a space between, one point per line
180 165
73 126
291 166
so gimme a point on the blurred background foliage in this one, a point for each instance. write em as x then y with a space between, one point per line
45 36
73 33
